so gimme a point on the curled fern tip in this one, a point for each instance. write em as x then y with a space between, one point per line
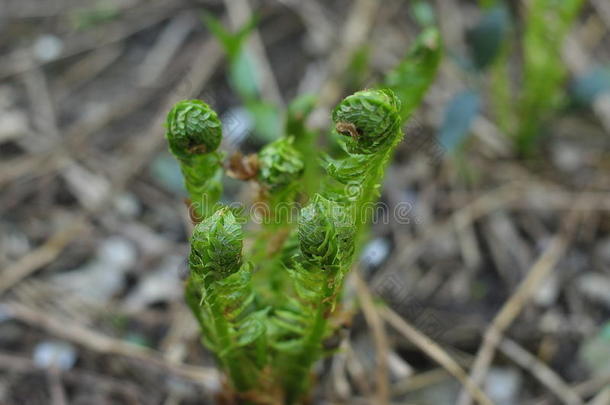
216 245
326 233
280 163
369 117
193 128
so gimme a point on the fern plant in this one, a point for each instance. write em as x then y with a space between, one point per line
266 308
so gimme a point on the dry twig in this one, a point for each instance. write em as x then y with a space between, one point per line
511 309
435 352
64 328
541 371
380 338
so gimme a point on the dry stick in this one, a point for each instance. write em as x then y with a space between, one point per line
98 342
354 33
419 381
58 394
40 256
603 398
480 207
156 61
541 371
54 158
107 34
603 10
379 336
592 386
9 361
84 70
435 352
162 53
88 187
203 67
538 272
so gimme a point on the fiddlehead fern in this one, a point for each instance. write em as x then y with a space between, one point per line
326 244
326 235
369 119
370 122
219 292
194 132
281 165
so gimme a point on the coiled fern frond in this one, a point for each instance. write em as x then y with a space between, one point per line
370 120
281 165
266 316
194 133
219 292
326 242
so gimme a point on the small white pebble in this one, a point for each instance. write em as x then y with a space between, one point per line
57 354
47 47
117 251
375 252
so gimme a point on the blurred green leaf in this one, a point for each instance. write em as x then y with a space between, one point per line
166 170
459 115
230 42
245 79
416 72
358 68
243 76
242 71
595 352
486 38
267 120
586 88
547 24
423 13
101 13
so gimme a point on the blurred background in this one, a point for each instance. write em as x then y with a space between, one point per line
497 249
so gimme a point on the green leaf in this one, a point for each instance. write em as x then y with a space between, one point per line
280 164
267 120
547 24
231 42
244 76
423 13
412 77
459 115
589 86
486 38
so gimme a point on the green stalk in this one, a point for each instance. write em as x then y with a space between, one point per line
281 169
326 241
230 358
295 383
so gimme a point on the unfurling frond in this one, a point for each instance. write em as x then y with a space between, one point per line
326 233
369 118
280 164
216 245
194 132
193 128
